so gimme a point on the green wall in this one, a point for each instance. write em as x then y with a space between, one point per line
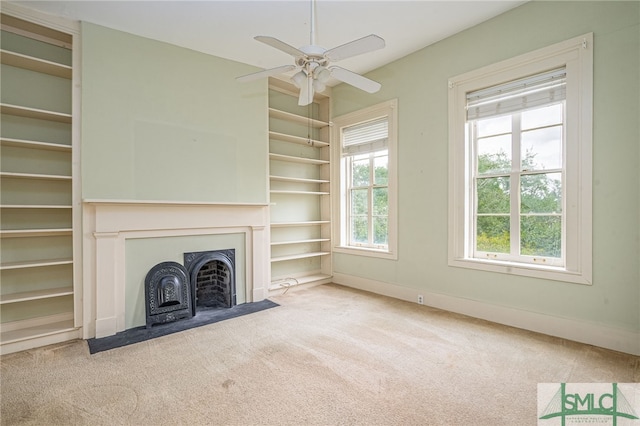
419 81
160 122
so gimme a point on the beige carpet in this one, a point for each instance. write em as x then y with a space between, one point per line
327 356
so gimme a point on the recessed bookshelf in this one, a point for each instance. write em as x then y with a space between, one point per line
300 187
37 290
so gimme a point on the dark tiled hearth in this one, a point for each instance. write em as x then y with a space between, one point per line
204 317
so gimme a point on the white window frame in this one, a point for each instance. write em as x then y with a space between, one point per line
341 202
576 55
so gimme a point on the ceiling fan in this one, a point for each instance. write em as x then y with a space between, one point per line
312 63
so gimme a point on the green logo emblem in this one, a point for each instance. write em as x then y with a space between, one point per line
586 401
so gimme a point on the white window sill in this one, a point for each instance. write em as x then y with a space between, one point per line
365 251
522 269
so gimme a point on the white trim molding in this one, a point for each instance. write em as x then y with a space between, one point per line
626 341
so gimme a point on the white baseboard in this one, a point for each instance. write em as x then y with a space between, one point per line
570 329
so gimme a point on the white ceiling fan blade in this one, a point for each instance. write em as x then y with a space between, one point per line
265 73
306 92
354 48
356 80
280 45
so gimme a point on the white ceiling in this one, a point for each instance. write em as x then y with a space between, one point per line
226 28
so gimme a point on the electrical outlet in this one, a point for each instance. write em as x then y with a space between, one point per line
420 300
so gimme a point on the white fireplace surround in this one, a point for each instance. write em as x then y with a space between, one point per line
108 224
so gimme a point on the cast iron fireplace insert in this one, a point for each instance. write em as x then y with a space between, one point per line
205 282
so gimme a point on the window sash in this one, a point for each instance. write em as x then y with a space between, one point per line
370 216
515 215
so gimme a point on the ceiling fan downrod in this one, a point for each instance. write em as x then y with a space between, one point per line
312 24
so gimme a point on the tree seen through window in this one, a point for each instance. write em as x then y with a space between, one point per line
370 198
536 177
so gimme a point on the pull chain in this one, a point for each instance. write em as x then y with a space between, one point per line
309 124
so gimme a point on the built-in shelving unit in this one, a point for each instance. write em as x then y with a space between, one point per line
299 167
37 289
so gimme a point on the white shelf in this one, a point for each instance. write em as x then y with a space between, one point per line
35 31
286 282
297 139
299 119
301 223
35 64
19 233
39 114
15 175
35 206
311 240
36 295
299 256
297 180
35 332
292 159
35 264
299 192
22 143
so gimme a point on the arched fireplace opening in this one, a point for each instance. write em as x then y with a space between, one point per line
212 279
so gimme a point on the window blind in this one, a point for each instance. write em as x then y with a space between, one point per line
517 95
366 137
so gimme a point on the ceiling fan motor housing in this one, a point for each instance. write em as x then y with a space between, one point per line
314 57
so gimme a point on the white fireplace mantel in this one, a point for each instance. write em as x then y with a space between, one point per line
108 224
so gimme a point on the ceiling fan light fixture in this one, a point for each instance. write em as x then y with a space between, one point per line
319 86
298 78
322 74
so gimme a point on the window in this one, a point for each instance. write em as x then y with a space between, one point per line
520 165
367 203
517 169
